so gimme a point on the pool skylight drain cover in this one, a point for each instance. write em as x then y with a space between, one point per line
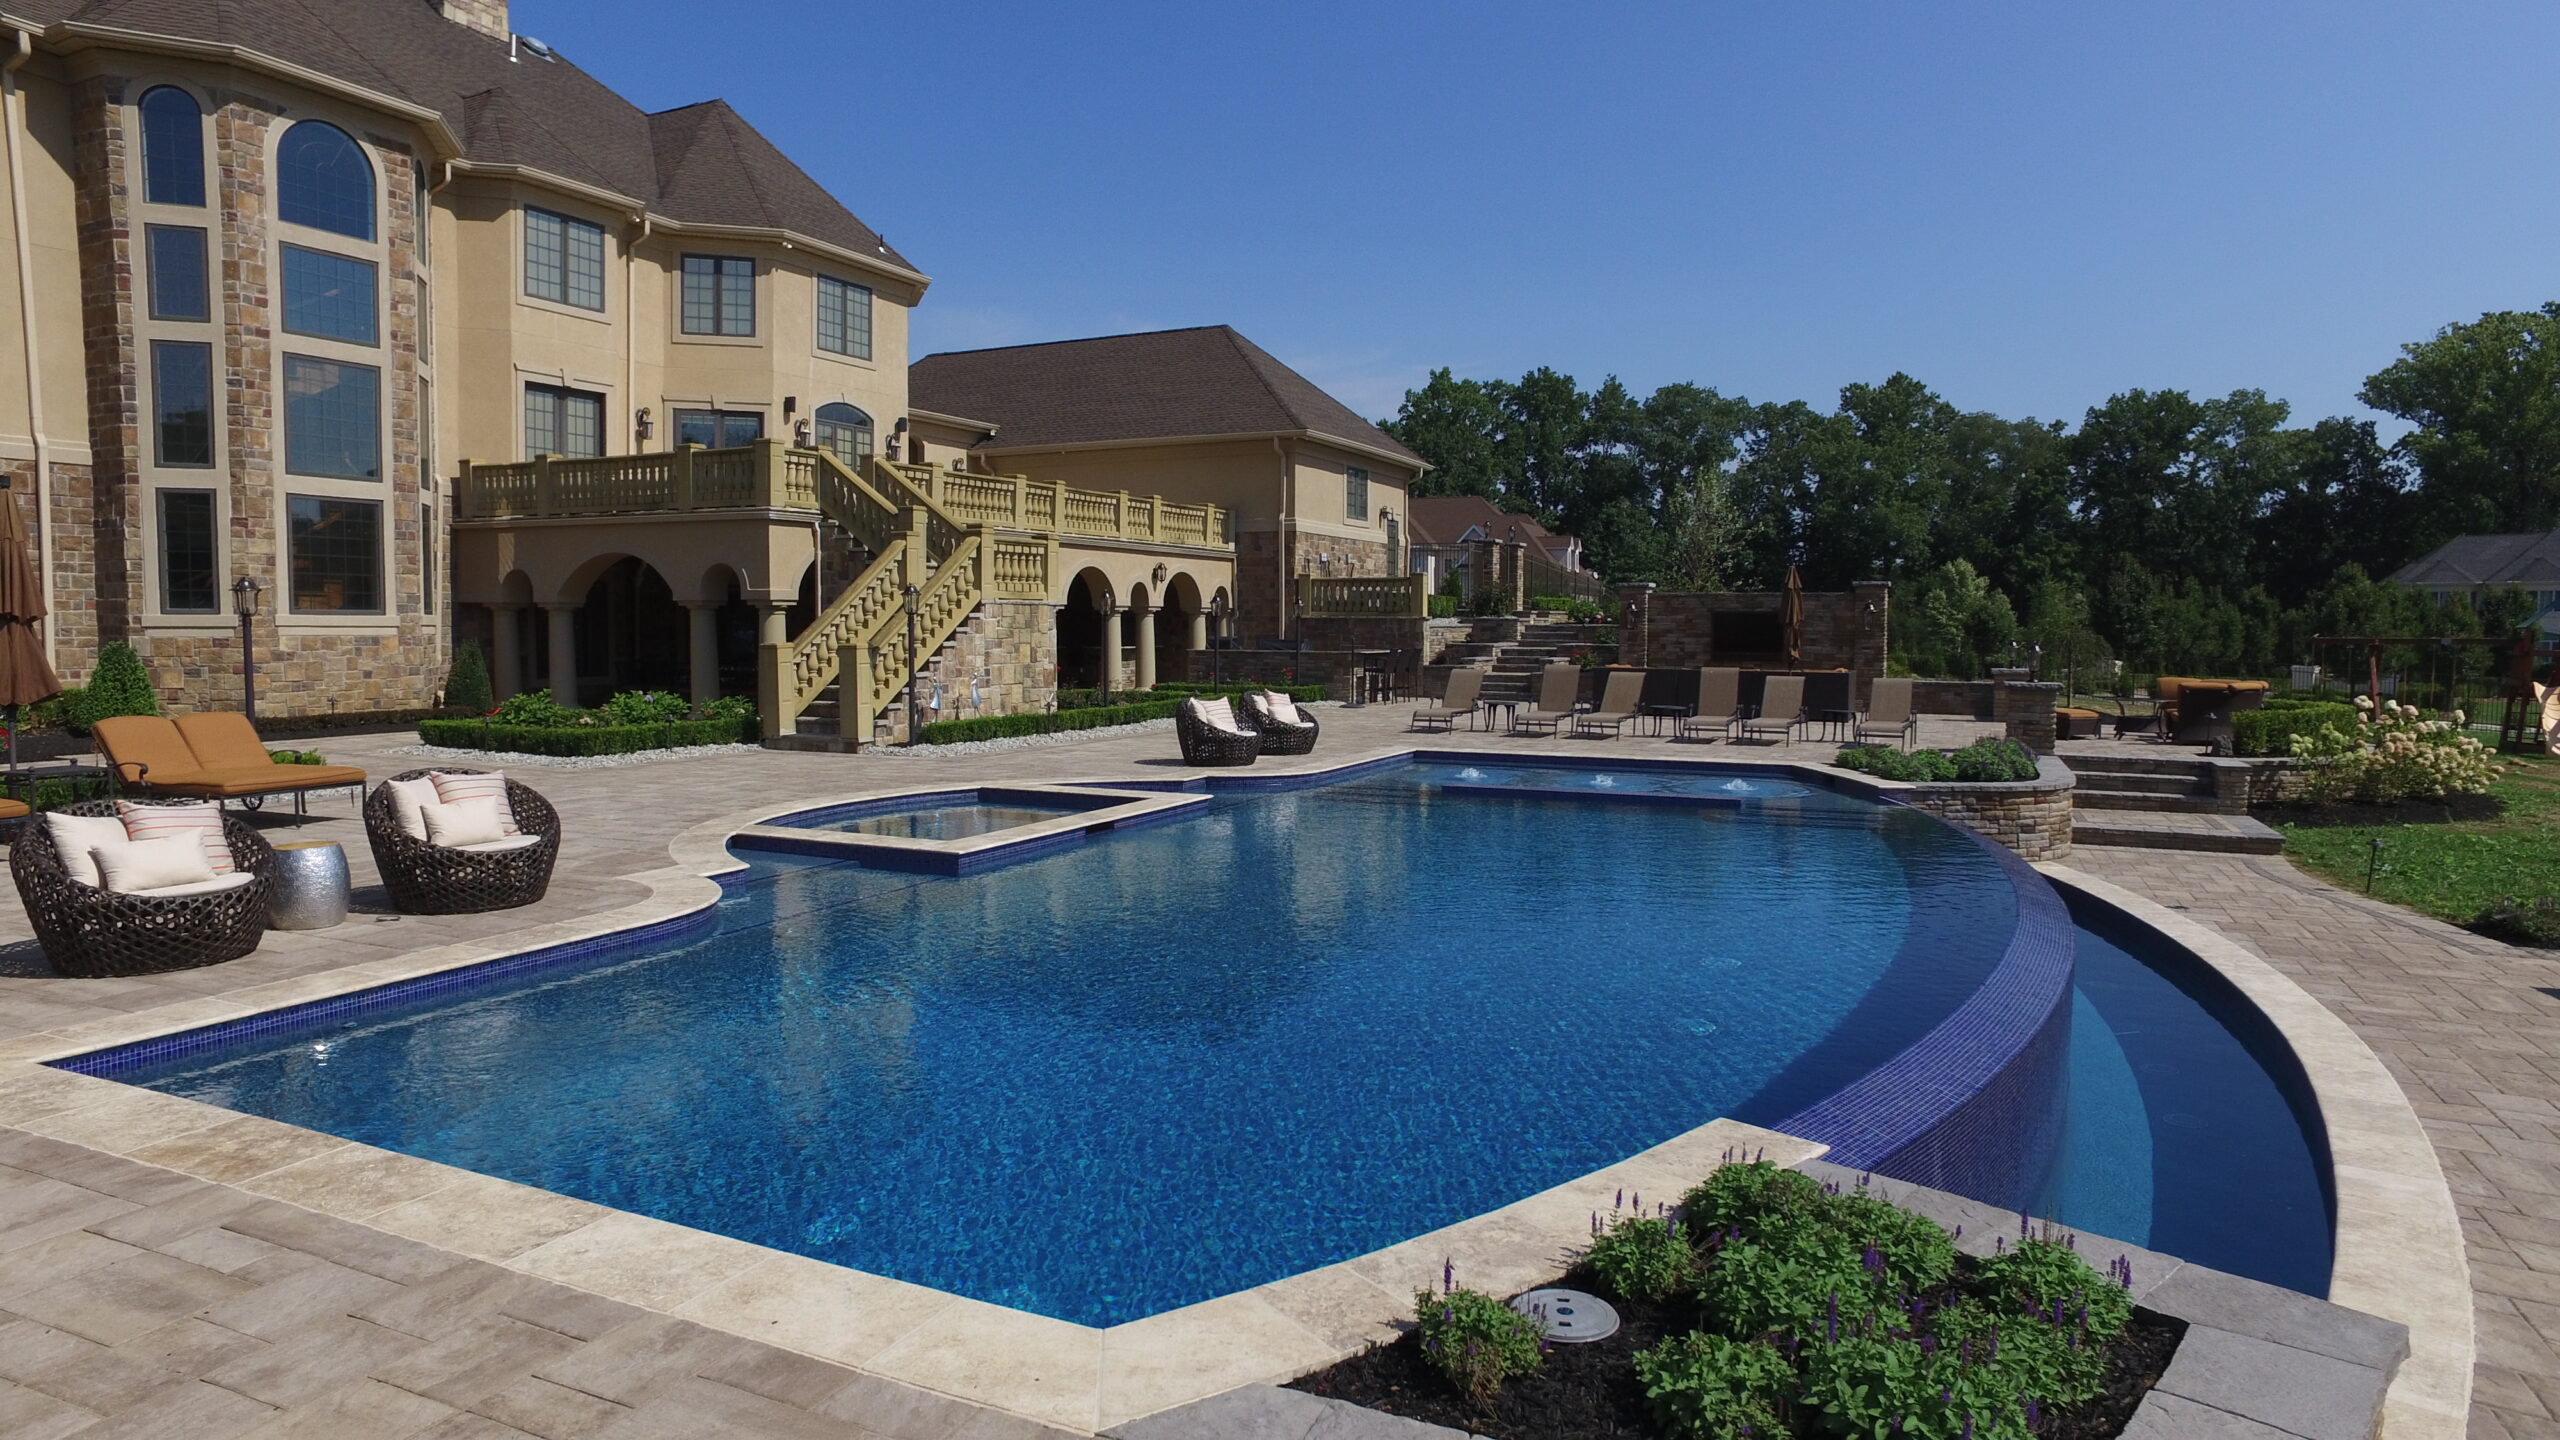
1570 1316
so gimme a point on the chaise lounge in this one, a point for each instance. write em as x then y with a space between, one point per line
1719 704
210 756
1781 710
1889 715
1455 704
1618 701
1559 685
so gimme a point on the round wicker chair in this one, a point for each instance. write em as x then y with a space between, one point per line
1279 737
426 879
88 931
1206 744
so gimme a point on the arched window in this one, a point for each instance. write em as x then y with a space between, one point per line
846 431
172 147
324 181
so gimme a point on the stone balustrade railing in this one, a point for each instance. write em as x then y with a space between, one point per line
1393 597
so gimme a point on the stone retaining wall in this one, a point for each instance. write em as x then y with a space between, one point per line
2031 817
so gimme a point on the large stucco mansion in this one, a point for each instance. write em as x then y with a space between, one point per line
433 337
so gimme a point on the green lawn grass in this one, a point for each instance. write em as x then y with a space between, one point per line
2453 871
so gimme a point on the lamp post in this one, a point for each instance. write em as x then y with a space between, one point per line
1298 657
244 603
915 670
1217 633
1110 642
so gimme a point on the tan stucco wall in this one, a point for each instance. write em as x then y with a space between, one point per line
45 150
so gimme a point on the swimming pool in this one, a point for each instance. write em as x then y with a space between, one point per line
1281 1031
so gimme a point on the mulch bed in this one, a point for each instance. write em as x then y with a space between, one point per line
1589 1392
2405 812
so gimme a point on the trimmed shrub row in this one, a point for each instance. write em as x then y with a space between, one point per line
2271 731
586 739
1001 727
1983 761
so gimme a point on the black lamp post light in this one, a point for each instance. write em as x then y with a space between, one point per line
244 603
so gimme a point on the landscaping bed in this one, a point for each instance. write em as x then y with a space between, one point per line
1136 706
533 724
1770 1305
2489 863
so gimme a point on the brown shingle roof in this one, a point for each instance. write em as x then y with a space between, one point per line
1445 519
702 164
1163 385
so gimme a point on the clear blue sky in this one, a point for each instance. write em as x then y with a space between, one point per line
2028 206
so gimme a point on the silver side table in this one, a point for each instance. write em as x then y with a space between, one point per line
311 886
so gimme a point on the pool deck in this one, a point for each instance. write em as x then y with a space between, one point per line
162 1273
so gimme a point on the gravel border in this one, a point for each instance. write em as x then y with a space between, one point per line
518 760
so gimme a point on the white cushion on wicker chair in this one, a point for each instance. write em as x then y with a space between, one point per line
1281 708
486 785
1219 715
201 820
74 836
409 799
132 866
504 842
232 881
457 823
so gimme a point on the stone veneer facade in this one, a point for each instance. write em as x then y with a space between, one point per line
1843 630
1009 649
2031 817
306 664
1259 568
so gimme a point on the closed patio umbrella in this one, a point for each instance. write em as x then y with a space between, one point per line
25 677
1791 618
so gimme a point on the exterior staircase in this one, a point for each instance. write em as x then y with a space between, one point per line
2164 802
1512 652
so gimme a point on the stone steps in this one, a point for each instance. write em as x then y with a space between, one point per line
2136 782
2154 830
2195 768
2097 799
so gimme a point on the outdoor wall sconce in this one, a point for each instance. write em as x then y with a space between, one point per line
640 422
800 433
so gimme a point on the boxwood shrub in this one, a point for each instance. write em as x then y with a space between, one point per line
1983 761
2271 731
585 739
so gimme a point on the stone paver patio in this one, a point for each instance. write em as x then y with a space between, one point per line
142 1300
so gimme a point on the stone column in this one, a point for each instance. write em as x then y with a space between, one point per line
773 656
1515 576
506 650
564 653
2028 712
1199 637
1870 638
702 660
1146 643
1110 670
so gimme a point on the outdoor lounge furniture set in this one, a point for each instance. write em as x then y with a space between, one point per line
170 880
1719 713
1224 732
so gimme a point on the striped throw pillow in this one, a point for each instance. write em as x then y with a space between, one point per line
201 820
488 785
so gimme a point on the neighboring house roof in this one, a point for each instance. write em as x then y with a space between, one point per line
2531 561
1456 519
1164 385
503 105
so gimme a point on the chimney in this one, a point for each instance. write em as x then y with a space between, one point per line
489 17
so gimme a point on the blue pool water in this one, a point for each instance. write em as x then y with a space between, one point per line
1182 1061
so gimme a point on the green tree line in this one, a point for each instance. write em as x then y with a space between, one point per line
2171 531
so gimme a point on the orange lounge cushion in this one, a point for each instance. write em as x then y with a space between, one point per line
222 740
259 779
14 809
2077 713
145 748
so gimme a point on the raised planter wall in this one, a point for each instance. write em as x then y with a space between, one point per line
2031 817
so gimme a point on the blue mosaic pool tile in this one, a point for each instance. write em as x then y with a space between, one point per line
120 1060
1976 1105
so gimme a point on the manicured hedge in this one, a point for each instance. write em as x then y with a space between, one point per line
1001 727
2271 732
1985 761
585 739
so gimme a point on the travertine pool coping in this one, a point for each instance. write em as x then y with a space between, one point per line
1099 809
2395 1262
2399 1251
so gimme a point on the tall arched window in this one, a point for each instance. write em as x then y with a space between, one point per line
324 181
172 147
846 431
